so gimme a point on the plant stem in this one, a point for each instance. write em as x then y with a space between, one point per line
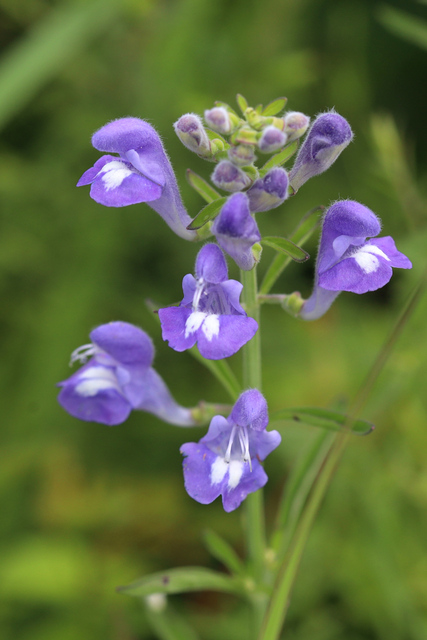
254 504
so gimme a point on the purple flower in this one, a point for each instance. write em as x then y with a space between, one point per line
296 124
329 134
141 172
210 312
347 260
118 378
227 460
269 192
236 230
228 177
219 120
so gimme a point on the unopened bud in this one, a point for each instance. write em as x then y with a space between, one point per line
296 124
271 139
219 120
269 192
329 134
237 232
191 132
242 154
228 177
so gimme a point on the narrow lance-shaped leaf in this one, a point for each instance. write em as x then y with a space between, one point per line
207 214
183 580
275 107
279 158
325 419
222 551
202 187
283 245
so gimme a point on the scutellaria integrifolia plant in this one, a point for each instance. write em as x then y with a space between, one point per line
219 316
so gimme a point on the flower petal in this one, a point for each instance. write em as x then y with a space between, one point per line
234 332
250 410
119 186
211 264
197 467
249 482
173 321
107 406
126 343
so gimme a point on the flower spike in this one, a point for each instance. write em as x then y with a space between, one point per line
227 460
141 172
210 312
348 260
118 378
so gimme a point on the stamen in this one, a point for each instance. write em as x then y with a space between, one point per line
198 293
230 444
244 443
83 353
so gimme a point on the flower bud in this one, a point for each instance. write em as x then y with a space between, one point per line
219 120
272 139
296 124
191 132
242 154
228 177
269 192
329 134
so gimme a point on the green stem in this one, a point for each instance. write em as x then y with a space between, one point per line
254 504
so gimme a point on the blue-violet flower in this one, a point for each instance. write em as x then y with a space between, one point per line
347 259
268 192
329 134
118 378
141 172
236 230
227 460
210 312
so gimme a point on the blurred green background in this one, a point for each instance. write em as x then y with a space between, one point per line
84 508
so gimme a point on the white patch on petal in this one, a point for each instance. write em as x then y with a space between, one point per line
193 322
96 379
236 472
366 259
114 174
211 326
218 470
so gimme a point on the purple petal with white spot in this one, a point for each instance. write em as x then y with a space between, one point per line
197 467
173 320
234 332
142 173
250 481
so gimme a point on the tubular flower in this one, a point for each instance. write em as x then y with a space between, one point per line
141 172
350 258
269 192
236 230
227 460
210 312
118 378
329 134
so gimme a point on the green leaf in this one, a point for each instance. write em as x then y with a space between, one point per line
222 372
283 245
36 58
300 235
258 109
275 107
222 551
280 158
242 102
183 580
207 214
202 187
325 419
